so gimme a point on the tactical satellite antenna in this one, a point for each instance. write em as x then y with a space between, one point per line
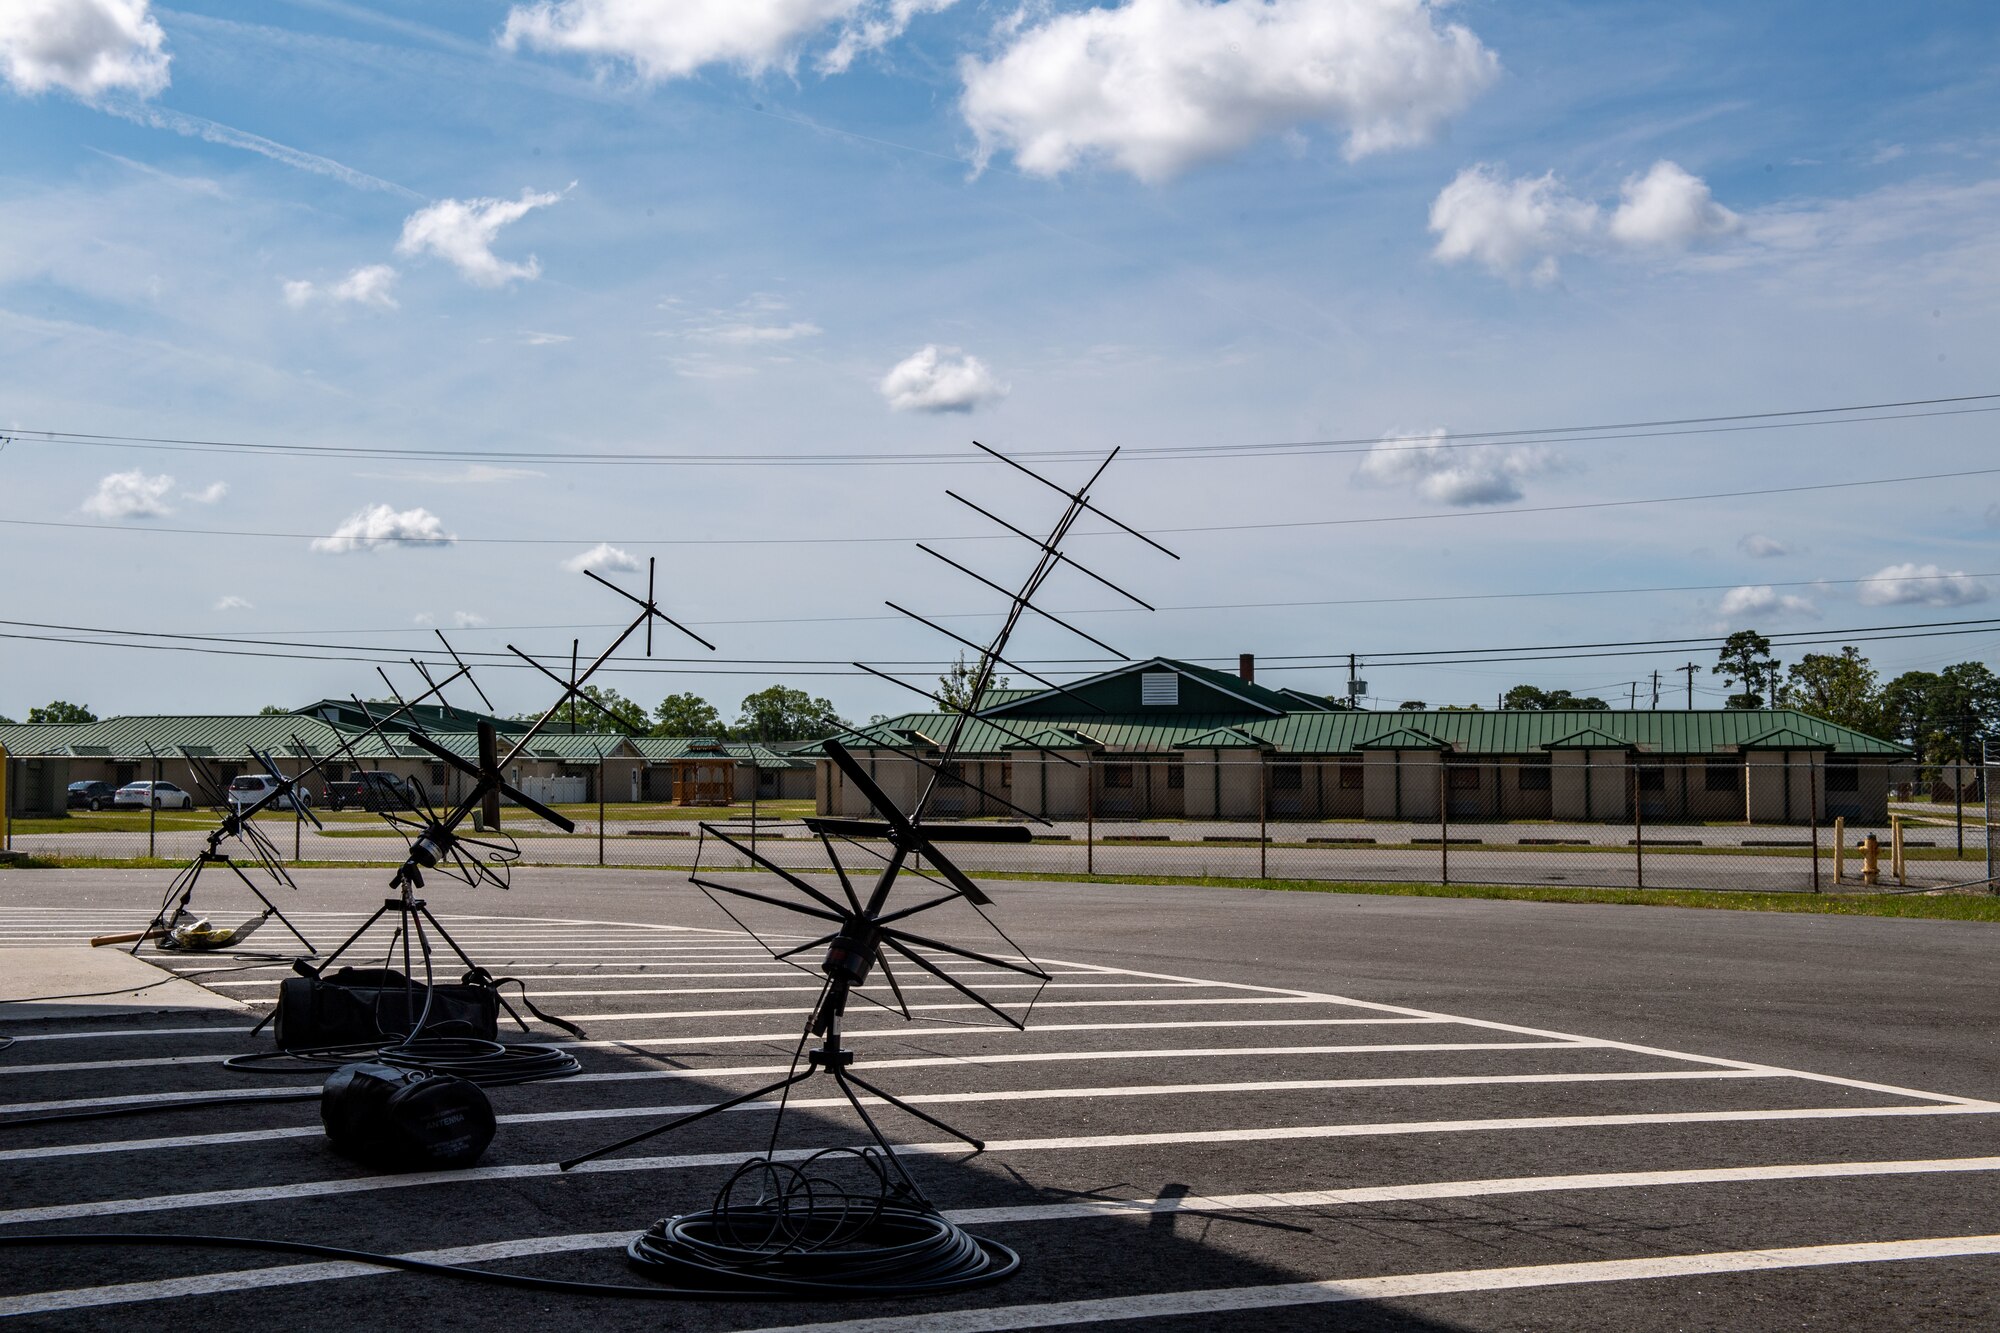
238 822
861 930
433 831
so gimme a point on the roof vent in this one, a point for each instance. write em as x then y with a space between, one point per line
1160 689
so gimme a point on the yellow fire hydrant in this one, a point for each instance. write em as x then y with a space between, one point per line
1871 856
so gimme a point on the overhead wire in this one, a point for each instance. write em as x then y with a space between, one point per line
1785 418
1273 526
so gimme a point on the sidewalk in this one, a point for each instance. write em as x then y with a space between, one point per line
77 970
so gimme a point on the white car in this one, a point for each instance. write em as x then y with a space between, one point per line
159 795
254 787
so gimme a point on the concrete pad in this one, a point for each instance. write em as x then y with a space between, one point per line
81 971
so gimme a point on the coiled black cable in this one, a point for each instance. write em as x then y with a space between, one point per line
490 1064
807 1234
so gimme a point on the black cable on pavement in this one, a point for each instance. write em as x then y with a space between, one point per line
490 1064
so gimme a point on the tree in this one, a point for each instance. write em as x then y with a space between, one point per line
6 721
688 714
1945 716
1745 659
1460 708
1840 689
59 711
782 713
1534 699
631 718
1412 706
954 687
273 710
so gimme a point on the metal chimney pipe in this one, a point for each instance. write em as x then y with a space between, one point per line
1246 667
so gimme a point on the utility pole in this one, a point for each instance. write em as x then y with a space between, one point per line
1656 689
1689 671
1632 691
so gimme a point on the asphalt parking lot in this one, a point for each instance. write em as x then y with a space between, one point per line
1234 1109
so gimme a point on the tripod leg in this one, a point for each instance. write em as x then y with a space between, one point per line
840 1081
183 884
348 943
703 1114
252 886
908 1109
470 966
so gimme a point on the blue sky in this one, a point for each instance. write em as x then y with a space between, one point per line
890 227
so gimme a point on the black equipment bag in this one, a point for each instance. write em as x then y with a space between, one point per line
357 1006
405 1119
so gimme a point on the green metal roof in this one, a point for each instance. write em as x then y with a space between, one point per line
1785 738
1224 738
1588 738
1402 738
1715 731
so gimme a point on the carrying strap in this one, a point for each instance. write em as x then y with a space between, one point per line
479 976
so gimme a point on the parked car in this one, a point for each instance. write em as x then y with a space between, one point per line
92 795
159 795
372 789
254 787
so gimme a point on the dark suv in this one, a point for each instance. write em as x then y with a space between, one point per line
91 795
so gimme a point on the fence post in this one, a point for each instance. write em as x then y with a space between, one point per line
6 807
153 806
1444 822
1089 813
1263 814
1638 831
1991 758
600 809
1812 811
1839 848
1896 847
1958 800
298 821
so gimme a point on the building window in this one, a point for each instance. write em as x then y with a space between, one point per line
1350 777
437 776
1534 772
1006 774
1159 689
1464 777
1722 775
1287 777
1117 776
1652 778
1842 774
1176 775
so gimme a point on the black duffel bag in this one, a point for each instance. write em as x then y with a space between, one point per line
357 1006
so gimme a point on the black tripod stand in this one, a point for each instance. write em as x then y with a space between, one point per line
830 1057
184 883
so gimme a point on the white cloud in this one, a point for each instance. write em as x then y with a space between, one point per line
467 620
1920 585
752 335
381 525
131 494
371 284
1455 475
462 232
603 558
234 603
532 338
209 494
1668 209
1759 547
1762 600
1505 223
88 47
1154 86
669 39
940 379
423 618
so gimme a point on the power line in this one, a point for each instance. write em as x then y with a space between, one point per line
1100 532
376 655
1608 431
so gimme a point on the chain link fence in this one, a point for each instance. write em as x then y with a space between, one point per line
1761 822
